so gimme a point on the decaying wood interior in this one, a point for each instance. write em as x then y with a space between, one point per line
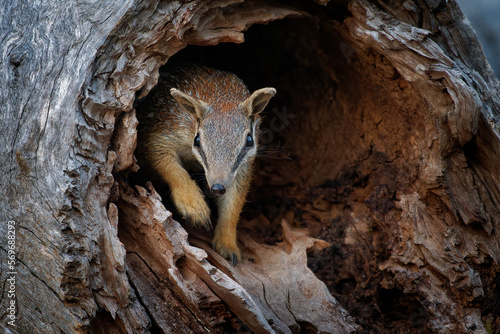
369 146
375 205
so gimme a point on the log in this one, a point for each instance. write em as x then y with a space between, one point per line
384 218
163 263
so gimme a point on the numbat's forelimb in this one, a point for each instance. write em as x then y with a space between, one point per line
205 117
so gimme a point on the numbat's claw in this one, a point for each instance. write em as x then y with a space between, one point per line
201 116
207 225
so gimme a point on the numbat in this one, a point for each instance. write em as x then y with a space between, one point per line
202 117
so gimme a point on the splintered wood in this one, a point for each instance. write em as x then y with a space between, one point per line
271 291
394 161
124 142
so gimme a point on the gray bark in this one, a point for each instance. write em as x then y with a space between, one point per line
93 254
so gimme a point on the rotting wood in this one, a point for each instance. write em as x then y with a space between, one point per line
164 264
413 193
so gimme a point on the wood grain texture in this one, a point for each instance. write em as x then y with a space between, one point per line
286 291
400 119
69 69
274 292
47 50
440 212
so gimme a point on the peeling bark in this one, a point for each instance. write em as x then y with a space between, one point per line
391 195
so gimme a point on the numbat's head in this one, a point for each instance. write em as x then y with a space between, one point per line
201 115
223 122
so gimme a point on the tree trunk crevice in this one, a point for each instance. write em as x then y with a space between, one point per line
374 208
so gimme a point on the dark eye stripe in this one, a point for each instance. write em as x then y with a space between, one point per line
242 154
197 143
203 157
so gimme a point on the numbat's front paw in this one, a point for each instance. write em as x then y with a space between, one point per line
228 250
194 210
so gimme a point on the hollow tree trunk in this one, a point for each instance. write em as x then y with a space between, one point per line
394 181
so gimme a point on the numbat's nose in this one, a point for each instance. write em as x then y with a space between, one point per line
218 189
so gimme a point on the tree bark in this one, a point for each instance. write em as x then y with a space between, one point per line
390 114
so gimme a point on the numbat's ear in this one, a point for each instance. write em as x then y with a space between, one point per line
258 100
190 104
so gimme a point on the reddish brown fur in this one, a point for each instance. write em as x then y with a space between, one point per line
217 108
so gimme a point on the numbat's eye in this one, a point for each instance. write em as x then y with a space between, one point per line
249 141
197 140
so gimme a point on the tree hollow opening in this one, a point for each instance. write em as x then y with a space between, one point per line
334 147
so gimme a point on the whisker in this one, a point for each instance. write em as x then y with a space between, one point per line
272 151
200 179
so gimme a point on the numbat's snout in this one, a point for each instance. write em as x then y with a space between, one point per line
207 118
